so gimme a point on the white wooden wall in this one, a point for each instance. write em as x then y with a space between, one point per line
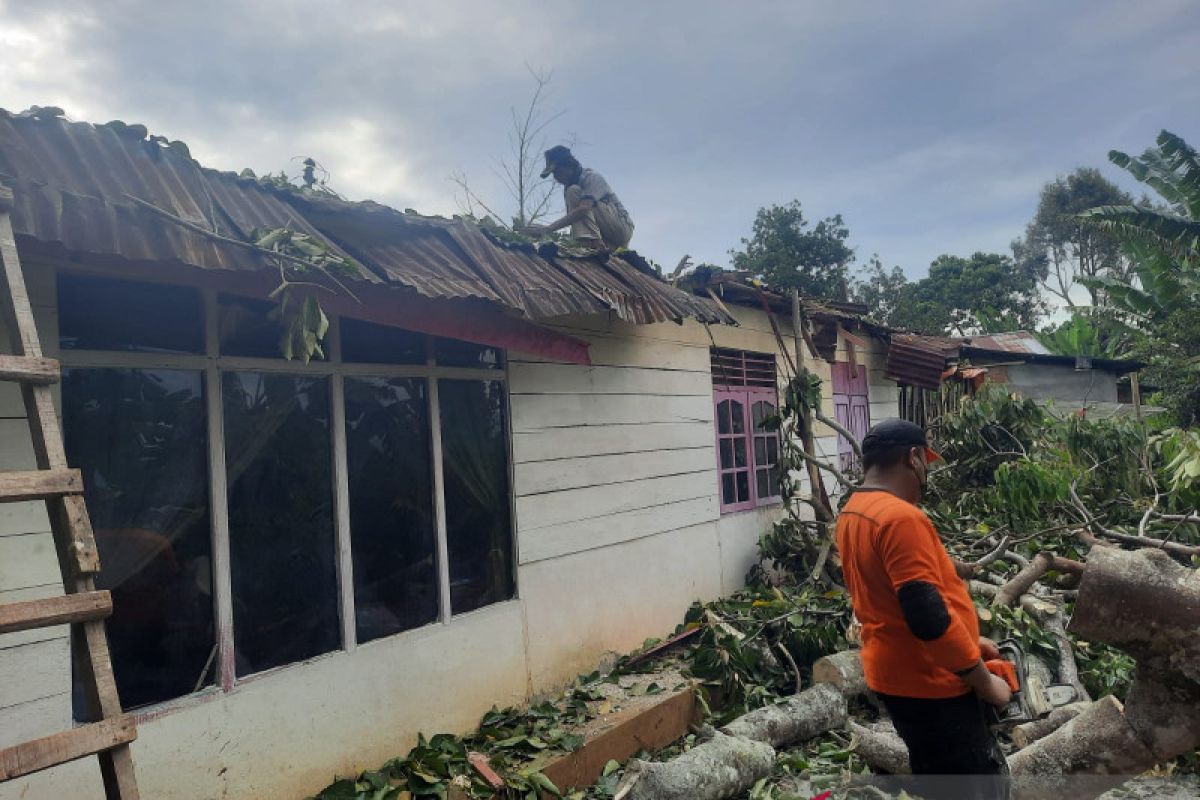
35 673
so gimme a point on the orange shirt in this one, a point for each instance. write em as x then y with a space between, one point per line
884 543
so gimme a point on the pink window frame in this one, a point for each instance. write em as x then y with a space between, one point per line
747 397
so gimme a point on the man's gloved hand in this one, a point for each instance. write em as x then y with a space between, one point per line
995 692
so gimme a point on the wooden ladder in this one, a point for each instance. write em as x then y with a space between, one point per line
82 606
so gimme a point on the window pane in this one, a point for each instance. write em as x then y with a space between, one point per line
760 413
738 413
391 505
760 450
772 450
281 538
739 452
138 436
365 343
728 495
723 417
248 328
475 471
743 486
104 314
453 353
764 489
772 483
726 453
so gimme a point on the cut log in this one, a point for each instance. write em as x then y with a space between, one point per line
797 719
1068 670
722 767
1099 741
843 671
881 750
1144 603
1028 733
1165 715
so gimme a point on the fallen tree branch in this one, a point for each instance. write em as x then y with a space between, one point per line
1029 732
840 429
1185 551
1011 592
722 767
993 555
843 671
880 751
812 712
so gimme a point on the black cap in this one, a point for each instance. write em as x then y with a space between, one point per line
894 432
556 155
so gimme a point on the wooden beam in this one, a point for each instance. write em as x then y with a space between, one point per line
55 611
28 369
39 484
50 751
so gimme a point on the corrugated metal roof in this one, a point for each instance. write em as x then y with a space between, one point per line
919 360
1012 342
71 182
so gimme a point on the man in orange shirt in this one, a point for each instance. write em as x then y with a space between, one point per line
921 649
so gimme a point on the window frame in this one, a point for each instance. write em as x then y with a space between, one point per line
747 391
212 365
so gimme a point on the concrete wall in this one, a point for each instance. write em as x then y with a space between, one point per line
618 529
1054 382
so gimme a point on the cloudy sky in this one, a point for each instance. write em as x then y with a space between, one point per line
930 126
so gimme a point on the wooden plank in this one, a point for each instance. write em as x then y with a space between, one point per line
55 611
39 484
537 412
59 748
35 718
37 669
590 534
68 515
28 369
620 351
555 508
37 634
596 440
28 560
576 473
634 730
531 379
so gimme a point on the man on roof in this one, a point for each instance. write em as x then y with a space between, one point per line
921 649
594 213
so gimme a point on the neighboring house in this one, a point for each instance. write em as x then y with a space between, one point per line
510 465
936 370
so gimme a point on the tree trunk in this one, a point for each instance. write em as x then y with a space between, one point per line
1165 713
720 768
812 712
844 671
1028 733
1144 603
1099 741
881 750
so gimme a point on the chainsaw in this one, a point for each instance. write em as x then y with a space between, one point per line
1032 698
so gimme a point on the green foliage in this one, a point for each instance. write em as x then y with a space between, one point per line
985 293
740 631
1163 290
1087 334
880 290
785 252
988 429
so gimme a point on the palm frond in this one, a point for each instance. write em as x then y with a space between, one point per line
1178 235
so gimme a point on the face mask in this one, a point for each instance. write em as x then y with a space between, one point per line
922 472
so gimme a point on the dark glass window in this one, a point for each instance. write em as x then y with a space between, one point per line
391 505
250 328
475 472
104 314
453 353
365 343
139 437
281 534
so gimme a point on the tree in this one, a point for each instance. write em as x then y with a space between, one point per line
1065 252
986 293
520 171
880 290
786 253
1163 247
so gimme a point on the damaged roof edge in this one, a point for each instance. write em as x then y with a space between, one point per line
73 182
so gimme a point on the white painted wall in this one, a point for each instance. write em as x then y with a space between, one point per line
619 530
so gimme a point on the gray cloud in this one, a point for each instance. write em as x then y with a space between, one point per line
929 126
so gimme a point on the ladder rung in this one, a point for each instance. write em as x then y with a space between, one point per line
69 608
38 484
59 748
28 369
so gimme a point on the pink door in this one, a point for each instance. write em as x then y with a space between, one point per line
851 407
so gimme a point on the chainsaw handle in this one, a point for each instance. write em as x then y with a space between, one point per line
1004 669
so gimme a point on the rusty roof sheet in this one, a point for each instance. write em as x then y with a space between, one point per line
72 182
1012 342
